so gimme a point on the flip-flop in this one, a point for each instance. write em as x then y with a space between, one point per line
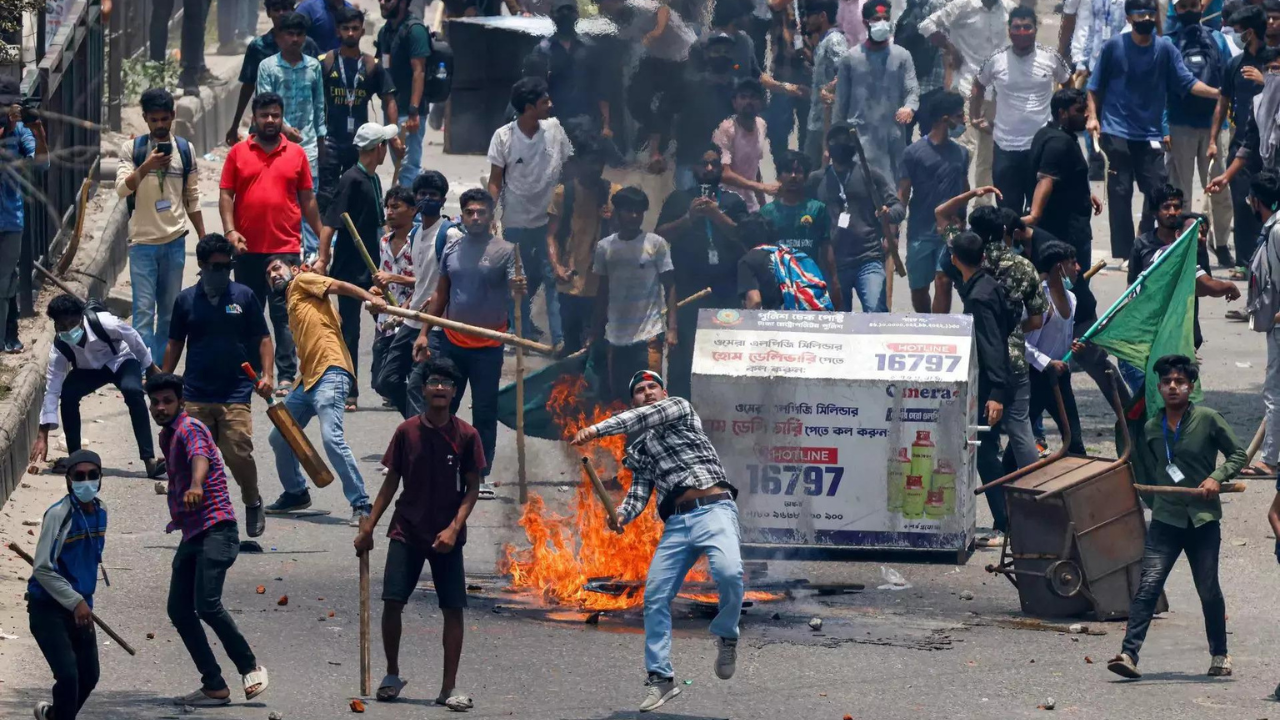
1237 316
1238 274
487 491
456 702
390 687
199 699
1257 472
257 676
283 389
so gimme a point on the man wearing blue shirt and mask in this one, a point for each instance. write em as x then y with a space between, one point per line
16 141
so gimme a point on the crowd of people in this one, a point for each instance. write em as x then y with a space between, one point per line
950 119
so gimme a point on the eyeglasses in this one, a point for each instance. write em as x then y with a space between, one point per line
439 382
83 475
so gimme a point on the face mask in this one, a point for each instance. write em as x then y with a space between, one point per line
429 207
215 282
956 131
879 30
841 153
72 336
85 490
1189 18
1144 27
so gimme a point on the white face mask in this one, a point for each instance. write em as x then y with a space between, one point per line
880 30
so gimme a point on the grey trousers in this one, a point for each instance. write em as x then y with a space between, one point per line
10 251
1271 398
1188 148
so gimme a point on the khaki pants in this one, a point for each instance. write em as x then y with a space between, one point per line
981 146
232 428
1188 148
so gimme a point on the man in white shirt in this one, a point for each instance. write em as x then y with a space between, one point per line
1024 76
525 158
1048 344
972 29
93 349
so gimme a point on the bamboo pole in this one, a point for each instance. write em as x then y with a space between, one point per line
1231 487
521 477
1097 268
601 494
364 255
504 338
366 679
97 620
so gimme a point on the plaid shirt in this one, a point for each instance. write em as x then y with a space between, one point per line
182 440
302 87
674 454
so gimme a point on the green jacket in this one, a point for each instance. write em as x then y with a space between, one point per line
1204 434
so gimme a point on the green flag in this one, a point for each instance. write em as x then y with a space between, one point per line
1156 315
580 375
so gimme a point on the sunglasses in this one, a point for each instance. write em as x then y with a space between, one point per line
83 475
439 382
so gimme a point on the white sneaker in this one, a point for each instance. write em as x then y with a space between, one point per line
660 690
726 657
42 710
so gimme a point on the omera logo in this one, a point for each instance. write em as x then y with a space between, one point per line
916 393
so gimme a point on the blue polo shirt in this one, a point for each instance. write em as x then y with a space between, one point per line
323 29
219 338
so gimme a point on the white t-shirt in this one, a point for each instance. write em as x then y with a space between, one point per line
426 265
1023 87
636 298
531 168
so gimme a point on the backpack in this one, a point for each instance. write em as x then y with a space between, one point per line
906 34
439 72
442 236
140 156
1203 58
798 278
91 312
1264 282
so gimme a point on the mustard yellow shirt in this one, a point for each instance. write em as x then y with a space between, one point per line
316 328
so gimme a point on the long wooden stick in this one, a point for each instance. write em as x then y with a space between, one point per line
1256 443
1097 268
521 477
364 255
366 679
601 493
97 620
74 246
1231 487
504 338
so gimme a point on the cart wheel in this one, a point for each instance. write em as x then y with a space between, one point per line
1064 578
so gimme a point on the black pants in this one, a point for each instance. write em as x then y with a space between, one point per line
1164 544
350 310
1131 161
1247 226
391 378
251 270
1042 400
415 404
11 322
72 654
195 593
576 314
128 380
1013 175
194 14
652 95
338 159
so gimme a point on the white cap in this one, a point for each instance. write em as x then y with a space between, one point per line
371 134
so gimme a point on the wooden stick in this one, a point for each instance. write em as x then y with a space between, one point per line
601 494
1256 443
97 620
1097 267
74 246
1231 487
364 255
521 477
366 679
504 338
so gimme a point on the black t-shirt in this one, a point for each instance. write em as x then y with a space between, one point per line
368 78
1240 92
693 249
219 337
1056 152
360 195
704 103
755 272
397 47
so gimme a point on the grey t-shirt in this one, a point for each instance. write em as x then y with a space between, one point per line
478 272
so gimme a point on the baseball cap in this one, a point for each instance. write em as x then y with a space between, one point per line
83 456
371 134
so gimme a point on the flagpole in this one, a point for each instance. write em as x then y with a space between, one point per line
1192 231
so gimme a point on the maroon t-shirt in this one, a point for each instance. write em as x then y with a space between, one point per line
432 464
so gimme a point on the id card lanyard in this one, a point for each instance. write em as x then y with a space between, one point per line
713 254
1175 473
350 91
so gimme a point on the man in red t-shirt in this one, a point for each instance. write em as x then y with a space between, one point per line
266 191
440 459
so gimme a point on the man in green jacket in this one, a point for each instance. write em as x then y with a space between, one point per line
1185 439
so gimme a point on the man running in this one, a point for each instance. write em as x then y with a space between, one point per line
696 501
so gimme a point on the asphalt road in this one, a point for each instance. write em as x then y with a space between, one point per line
920 652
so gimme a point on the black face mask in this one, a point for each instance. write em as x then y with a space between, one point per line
1189 18
842 154
1144 27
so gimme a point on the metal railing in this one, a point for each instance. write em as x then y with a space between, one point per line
68 80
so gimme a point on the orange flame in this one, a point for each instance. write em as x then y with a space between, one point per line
567 550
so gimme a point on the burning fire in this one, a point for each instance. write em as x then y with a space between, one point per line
567 550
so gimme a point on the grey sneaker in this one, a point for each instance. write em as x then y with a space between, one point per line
726 657
358 514
255 519
659 691
1220 666
42 710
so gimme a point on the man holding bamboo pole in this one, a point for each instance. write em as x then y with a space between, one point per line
359 194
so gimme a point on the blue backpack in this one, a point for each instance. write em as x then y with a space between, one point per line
140 156
798 278
442 236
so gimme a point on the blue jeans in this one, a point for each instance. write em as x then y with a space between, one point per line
481 368
867 281
711 530
326 399
537 270
411 168
156 274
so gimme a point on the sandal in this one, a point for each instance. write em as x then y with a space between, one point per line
1237 316
390 687
256 678
456 702
200 699
1257 471
351 405
1238 274
283 389
487 491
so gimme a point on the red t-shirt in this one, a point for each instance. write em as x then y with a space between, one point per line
432 464
266 187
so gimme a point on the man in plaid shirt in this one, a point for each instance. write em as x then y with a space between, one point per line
200 508
695 500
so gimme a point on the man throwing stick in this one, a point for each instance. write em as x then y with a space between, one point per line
440 459
696 501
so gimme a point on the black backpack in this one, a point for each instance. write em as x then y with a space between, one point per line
906 34
91 311
140 156
439 72
1203 58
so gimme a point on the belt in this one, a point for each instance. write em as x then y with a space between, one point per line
694 504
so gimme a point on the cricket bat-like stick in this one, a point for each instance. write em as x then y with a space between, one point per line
307 456
97 620
601 494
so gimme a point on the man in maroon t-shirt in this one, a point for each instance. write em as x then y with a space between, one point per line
440 459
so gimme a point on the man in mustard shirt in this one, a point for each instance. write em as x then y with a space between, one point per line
1186 439
326 377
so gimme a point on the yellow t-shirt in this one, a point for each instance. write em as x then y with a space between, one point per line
316 328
